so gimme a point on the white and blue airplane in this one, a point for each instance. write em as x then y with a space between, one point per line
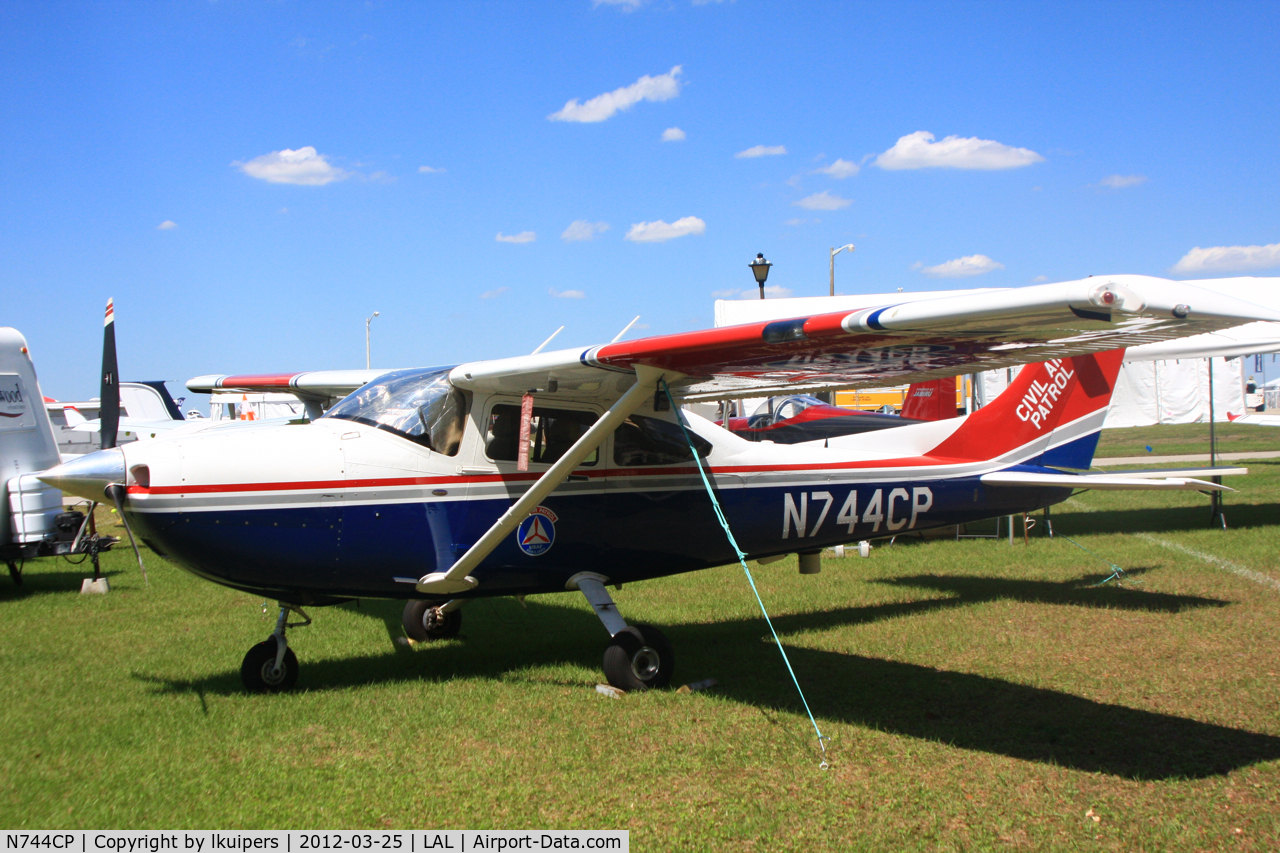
571 470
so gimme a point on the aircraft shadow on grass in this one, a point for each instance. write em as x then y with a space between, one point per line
502 640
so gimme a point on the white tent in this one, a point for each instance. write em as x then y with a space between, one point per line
1158 383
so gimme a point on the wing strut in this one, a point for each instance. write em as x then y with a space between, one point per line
456 579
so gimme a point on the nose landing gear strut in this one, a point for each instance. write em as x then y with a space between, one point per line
271 666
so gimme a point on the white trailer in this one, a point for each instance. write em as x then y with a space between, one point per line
32 521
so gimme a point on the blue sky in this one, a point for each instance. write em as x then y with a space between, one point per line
251 180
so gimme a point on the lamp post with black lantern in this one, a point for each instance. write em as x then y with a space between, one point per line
760 269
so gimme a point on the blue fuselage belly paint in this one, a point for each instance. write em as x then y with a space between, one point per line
357 550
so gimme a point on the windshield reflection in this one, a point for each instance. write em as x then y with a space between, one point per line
420 405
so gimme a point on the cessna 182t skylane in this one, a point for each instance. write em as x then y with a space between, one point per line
570 470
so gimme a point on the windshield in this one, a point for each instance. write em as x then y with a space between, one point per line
419 405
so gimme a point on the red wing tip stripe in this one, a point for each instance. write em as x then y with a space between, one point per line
262 380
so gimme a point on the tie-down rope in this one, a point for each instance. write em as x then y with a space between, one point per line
742 560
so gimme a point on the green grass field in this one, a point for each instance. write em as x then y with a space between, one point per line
1172 439
978 696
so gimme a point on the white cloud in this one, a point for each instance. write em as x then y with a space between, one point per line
494 294
661 88
823 201
660 232
1227 258
581 229
797 221
167 225
673 134
522 237
566 294
1119 182
430 170
302 166
1040 279
960 267
624 5
919 151
841 169
762 151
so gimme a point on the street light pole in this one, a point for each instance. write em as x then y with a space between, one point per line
366 338
835 252
760 269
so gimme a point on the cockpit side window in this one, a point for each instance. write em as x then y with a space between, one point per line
551 433
420 405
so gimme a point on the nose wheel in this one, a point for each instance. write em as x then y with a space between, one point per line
262 674
271 666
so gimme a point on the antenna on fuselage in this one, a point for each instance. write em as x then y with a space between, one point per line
625 329
547 341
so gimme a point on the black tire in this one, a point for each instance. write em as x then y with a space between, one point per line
639 658
256 670
421 624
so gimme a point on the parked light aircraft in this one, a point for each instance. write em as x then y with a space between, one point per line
570 470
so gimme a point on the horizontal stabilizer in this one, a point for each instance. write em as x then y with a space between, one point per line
1105 482
1157 473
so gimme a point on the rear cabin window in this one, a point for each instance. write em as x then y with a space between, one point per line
551 433
651 441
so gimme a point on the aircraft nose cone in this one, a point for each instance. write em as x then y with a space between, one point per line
88 476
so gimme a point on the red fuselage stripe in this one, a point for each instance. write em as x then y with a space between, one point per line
614 473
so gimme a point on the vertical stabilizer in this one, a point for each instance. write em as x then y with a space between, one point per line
931 401
1050 415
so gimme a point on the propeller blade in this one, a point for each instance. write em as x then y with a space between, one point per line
109 413
117 494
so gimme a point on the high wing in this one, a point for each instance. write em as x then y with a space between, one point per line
888 345
317 389
913 341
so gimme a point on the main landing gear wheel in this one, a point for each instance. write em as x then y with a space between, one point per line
639 658
260 673
423 620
